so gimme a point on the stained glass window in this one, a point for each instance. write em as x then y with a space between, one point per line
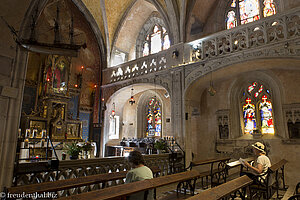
249 116
269 8
265 107
231 20
257 109
248 11
153 118
233 4
157 40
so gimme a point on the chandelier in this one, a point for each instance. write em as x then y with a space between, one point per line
132 101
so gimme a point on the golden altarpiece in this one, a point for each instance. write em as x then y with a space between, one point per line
51 115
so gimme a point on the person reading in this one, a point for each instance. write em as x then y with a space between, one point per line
261 163
139 172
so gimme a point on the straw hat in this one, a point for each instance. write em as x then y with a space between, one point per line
259 146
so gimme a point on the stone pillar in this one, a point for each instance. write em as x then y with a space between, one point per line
177 106
12 80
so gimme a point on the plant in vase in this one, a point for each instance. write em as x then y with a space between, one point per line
160 145
86 147
73 150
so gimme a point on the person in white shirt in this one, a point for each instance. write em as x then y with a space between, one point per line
261 164
138 173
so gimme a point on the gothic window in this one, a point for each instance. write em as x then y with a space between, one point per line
246 11
257 109
153 114
157 40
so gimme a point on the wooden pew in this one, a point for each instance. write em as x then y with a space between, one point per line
219 172
224 190
116 192
292 191
265 186
72 183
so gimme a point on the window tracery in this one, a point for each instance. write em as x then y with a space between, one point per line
157 40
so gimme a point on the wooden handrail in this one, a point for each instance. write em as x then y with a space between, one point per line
223 190
130 188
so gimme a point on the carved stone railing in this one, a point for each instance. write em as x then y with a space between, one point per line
280 28
270 30
143 66
78 168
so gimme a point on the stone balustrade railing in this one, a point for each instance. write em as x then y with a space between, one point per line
78 168
259 34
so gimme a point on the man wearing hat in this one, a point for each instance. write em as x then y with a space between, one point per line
261 164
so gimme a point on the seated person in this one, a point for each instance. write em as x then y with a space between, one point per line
138 173
261 164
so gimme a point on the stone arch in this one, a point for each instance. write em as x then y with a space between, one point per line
277 98
119 33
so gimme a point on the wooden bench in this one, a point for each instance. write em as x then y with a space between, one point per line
231 188
119 191
292 192
266 185
61 185
219 172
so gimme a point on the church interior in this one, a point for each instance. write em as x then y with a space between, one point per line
85 82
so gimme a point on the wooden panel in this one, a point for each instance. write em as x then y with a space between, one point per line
224 189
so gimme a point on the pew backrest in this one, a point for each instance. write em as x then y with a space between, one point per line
130 188
224 189
72 183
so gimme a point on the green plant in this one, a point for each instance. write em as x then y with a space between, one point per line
72 149
160 145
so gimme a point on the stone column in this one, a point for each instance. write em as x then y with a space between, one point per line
11 84
177 106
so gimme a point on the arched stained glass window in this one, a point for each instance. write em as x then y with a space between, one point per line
153 118
249 116
246 11
266 113
156 41
269 8
257 109
231 20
